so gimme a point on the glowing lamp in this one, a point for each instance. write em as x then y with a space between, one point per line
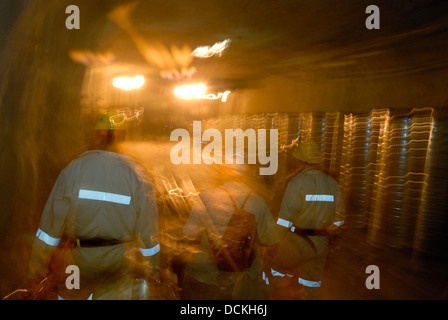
190 91
129 83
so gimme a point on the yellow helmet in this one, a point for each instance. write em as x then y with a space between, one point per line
307 151
103 123
110 122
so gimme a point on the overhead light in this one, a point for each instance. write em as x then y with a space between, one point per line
129 83
190 91
198 91
207 51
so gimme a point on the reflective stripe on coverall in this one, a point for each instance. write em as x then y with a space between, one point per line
99 195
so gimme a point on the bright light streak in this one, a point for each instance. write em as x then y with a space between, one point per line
178 192
125 115
190 91
220 95
129 83
198 91
286 147
207 51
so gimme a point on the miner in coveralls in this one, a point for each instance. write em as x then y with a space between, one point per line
102 217
211 213
312 208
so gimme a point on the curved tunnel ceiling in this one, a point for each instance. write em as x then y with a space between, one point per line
323 45
298 39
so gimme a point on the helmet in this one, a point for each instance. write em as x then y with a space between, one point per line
307 151
103 123
110 122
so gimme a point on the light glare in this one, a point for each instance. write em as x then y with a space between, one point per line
207 51
129 83
190 91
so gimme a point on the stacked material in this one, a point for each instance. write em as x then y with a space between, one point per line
332 143
401 180
432 224
359 163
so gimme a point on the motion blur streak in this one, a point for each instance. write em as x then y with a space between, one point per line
178 192
207 51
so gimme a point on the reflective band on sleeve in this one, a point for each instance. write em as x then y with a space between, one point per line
338 223
104 196
319 197
45 237
151 251
284 223
308 283
276 273
265 278
89 298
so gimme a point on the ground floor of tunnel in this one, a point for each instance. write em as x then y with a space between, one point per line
403 275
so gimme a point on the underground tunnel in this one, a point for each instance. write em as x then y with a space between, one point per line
367 86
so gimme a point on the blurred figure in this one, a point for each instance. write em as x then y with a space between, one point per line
312 208
212 220
101 217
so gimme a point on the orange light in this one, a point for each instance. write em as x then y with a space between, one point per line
190 91
128 83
